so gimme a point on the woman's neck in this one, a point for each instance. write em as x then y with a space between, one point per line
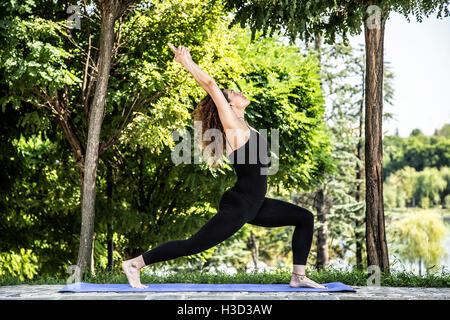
239 114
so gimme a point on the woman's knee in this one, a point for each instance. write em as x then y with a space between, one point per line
306 217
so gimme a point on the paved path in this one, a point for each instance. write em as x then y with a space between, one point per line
50 292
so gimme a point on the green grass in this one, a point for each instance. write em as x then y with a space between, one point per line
353 278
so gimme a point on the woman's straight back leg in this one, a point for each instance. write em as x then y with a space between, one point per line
226 222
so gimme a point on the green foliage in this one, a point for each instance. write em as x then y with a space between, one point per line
408 187
33 58
18 264
41 208
417 170
284 87
447 201
416 151
305 19
444 131
418 235
399 188
429 184
425 202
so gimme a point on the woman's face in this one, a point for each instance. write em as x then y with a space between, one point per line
237 99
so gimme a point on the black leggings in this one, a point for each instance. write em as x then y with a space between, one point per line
272 213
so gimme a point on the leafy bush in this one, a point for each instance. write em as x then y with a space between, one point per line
23 264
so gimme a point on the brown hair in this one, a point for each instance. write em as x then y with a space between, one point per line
206 112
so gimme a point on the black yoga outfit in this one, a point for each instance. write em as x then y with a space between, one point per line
245 202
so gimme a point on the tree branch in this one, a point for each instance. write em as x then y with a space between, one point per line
124 121
60 114
84 96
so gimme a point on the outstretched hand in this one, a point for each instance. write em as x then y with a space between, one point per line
182 54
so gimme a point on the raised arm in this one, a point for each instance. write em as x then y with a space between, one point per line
183 57
227 116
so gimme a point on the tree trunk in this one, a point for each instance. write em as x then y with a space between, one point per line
109 12
377 253
420 266
109 236
252 243
322 231
359 174
92 256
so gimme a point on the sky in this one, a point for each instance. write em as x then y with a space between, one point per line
419 56
420 60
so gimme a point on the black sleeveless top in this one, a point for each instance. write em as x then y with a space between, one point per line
251 162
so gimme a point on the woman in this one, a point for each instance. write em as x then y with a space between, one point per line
245 202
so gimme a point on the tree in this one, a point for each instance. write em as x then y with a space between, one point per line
419 238
111 10
417 152
444 131
304 19
402 185
43 74
430 183
342 64
319 199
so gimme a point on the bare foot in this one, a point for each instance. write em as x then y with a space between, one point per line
302 281
133 274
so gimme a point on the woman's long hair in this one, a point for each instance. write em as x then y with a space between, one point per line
206 112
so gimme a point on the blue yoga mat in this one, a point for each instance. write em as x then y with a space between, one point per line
190 287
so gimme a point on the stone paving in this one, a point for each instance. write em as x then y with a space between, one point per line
50 292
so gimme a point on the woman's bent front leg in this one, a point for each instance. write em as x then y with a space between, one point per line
278 213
